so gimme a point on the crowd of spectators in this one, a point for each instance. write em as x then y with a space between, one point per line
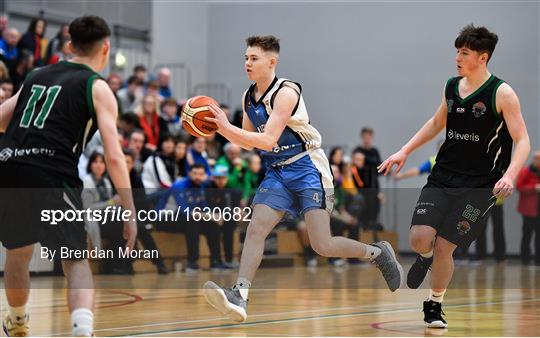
170 168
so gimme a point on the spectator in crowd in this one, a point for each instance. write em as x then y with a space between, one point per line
2 99
56 44
189 193
372 194
130 97
336 162
499 242
170 119
159 169
152 88
142 203
163 79
252 179
140 152
528 184
25 63
31 40
7 87
214 148
4 72
114 81
127 123
149 120
235 165
180 152
140 72
237 118
97 194
4 22
8 46
351 209
197 154
220 198
62 53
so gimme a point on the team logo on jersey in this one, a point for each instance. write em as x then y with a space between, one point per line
449 104
479 108
5 154
463 228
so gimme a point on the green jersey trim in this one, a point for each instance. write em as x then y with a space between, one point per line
470 96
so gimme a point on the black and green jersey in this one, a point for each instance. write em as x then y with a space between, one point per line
477 140
53 119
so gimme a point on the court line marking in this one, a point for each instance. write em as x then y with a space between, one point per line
331 316
343 308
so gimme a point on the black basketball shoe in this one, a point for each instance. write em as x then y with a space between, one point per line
418 271
433 315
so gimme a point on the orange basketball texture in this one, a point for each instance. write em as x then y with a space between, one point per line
194 113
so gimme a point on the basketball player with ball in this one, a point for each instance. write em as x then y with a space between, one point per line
298 178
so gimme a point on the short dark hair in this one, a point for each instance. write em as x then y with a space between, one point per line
131 118
267 43
197 166
134 80
366 130
139 68
128 152
479 39
86 32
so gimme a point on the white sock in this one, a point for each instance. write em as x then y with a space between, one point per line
371 252
436 296
427 254
17 313
82 323
243 285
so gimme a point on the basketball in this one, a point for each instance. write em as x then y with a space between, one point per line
194 113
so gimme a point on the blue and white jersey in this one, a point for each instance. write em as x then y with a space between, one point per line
299 135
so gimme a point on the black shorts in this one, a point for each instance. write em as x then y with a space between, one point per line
459 215
25 192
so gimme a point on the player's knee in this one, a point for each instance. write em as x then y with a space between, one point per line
322 248
420 243
255 231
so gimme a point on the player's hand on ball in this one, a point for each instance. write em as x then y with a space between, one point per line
130 233
220 118
503 188
399 159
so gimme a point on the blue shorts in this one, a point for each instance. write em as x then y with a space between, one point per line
298 187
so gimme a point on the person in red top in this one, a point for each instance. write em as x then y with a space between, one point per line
528 184
31 40
149 119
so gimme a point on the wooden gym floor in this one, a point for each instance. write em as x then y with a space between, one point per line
490 300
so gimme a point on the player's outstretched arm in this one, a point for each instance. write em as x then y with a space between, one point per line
6 111
284 103
508 105
428 131
106 111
